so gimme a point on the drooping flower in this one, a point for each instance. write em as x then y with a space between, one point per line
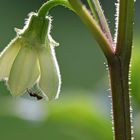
30 59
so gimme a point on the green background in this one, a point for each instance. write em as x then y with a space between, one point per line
83 111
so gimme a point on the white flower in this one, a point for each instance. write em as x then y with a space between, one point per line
30 59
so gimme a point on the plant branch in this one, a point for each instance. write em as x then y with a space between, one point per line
93 26
97 10
120 98
119 72
125 26
45 8
93 10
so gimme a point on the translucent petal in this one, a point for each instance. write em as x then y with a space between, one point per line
7 57
24 72
50 76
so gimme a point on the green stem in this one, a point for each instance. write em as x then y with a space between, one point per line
97 9
119 72
93 26
125 27
43 11
93 10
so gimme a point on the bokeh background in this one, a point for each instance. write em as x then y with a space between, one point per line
83 111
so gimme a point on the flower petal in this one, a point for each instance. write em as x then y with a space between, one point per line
24 72
7 57
50 80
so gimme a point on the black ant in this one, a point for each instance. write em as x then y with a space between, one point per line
33 94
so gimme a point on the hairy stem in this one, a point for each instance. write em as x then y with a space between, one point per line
120 98
93 10
93 26
97 9
45 8
125 27
119 71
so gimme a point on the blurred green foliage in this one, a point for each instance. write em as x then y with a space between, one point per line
135 72
83 109
66 119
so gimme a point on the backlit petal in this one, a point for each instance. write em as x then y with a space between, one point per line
24 72
7 57
50 76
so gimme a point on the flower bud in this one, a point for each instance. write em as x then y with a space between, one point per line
30 59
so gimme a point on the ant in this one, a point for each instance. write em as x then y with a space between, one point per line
33 94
